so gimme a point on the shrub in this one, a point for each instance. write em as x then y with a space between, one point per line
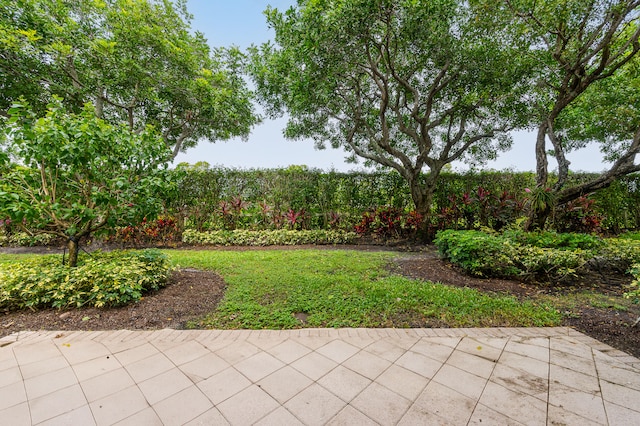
621 249
389 222
267 238
548 239
578 215
478 253
159 231
22 239
511 255
100 280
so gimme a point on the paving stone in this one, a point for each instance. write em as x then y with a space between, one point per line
49 382
259 366
285 383
367 364
223 385
461 381
446 403
248 406
381 404
182 407
315 405
403 382
79 416
204 367
338 350
12 394
473 364
106 384
146 417
289 351
164 385
587 405
16 415
483 416
349 416
56 403
281 416
314 365
344 383
514 405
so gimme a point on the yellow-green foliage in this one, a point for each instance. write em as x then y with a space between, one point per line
267 238
100 280
634 293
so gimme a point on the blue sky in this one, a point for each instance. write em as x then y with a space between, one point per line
241 23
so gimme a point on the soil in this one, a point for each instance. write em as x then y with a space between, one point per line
191 294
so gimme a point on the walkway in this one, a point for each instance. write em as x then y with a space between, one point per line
497 376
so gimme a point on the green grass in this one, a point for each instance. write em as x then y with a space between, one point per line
338 288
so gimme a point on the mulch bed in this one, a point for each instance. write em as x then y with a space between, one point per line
191 294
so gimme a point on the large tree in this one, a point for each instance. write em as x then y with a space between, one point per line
411 85
578 46
137 61
74 174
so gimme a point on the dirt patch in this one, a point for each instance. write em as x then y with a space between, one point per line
190 294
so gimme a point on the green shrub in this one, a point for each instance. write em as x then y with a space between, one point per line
621 250
510 255
547 239
478 253
23 239
630 236
550 263
266 238
100 280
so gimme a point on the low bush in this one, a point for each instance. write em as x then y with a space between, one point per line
478 253
267 238
623 250
554 240
100 280
22 239
542 256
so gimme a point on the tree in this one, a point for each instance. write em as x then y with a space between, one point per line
408 85
75 174
136 60
579 45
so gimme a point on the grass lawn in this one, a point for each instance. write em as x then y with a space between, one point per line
340 288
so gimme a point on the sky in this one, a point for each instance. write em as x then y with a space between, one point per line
241 23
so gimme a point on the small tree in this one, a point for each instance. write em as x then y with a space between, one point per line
75 174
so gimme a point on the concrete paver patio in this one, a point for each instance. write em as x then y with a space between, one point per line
529 376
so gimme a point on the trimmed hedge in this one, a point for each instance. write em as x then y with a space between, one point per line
541 255
267 238
100 280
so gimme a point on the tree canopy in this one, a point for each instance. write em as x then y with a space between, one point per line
137 61
404 84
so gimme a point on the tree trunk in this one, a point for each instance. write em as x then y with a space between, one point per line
72 246
538 217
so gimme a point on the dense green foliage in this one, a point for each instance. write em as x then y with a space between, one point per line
267 238
338 200
75 174
137 61
337 288
542 256
100 280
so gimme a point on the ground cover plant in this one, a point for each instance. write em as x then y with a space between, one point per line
100 280
338 288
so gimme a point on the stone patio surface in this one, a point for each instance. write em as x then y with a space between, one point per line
490 376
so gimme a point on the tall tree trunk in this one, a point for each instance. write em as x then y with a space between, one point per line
538 217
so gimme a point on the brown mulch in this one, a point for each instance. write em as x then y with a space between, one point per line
191 294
